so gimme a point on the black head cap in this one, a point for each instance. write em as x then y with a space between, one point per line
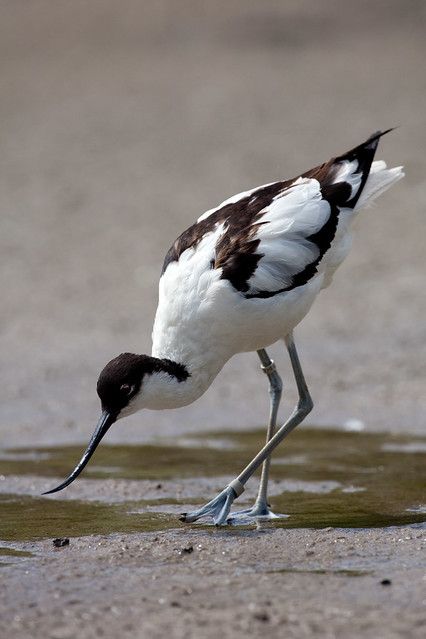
121 380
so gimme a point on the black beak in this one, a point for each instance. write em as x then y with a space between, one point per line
105 422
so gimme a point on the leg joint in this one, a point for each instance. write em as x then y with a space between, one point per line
270 368
305 405
276 385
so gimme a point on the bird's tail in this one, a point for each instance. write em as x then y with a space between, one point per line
366 178
379 180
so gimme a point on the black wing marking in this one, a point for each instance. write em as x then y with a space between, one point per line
239 217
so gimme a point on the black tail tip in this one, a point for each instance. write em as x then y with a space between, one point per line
378 134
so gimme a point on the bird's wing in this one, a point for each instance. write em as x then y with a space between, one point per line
272 239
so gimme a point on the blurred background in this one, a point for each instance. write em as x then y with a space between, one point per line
121 122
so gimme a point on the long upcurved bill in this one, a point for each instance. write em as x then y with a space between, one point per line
105 422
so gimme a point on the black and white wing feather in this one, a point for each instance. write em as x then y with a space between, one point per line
272 239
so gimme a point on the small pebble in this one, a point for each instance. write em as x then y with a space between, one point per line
386 582
60 542
186 551
261 616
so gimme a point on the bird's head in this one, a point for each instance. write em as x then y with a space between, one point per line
128 383
120 382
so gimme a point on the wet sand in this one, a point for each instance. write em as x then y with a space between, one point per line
283 583
121 123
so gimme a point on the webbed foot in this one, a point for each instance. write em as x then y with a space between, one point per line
218 508
259 511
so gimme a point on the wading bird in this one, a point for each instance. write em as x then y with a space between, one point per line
238 280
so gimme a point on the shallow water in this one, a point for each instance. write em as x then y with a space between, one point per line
322 571
327 478
29 518
13 554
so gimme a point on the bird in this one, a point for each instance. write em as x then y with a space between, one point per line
240 279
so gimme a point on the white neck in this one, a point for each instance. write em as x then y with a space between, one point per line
201 362
162 390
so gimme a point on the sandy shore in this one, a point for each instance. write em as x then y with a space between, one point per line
336 583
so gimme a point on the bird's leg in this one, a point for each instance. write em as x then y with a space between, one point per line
303 408
224 499
220 506
260 507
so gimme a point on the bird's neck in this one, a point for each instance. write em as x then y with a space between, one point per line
201 364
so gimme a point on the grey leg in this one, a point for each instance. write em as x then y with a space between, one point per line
220 506
261 507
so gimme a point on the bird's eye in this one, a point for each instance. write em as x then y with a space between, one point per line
127 389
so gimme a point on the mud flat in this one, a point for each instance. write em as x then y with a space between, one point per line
348 556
